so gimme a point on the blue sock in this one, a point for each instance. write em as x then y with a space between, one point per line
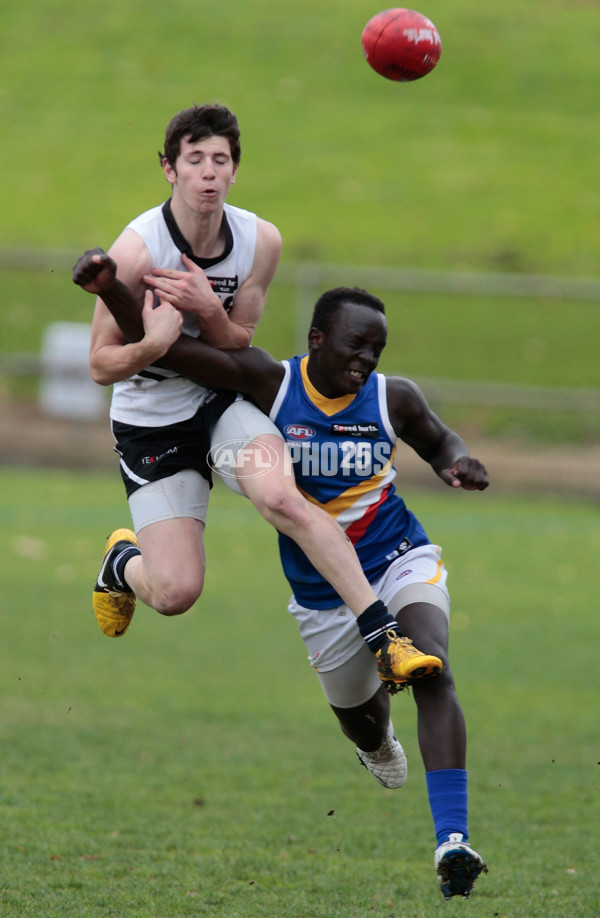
447 790
374 623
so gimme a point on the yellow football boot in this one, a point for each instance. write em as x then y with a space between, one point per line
399 663
113 607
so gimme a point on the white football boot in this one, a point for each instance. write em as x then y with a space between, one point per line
388 763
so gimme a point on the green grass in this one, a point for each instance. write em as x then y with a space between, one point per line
488 162
192 768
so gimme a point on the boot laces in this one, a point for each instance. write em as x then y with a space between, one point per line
405 643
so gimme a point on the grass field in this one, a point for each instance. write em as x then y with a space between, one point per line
487 163
193 769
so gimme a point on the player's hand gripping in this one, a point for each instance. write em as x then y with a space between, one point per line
467 473
188 290
162 323
95 271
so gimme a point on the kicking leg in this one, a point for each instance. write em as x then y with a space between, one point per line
263 472
320 537
329 550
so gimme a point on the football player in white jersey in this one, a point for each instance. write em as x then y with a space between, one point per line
214 262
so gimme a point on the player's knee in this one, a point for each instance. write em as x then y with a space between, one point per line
434 688
283 506
177 598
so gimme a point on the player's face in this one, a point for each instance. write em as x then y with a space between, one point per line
203 174
342 358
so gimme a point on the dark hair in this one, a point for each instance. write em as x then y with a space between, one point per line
330 302
198 122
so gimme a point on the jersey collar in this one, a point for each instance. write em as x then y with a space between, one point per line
328 406
184 246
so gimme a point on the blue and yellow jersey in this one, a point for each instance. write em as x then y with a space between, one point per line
343 453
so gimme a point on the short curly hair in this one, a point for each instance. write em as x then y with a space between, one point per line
197 123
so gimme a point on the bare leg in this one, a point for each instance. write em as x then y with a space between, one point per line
169 574
441 724
366 725
320 537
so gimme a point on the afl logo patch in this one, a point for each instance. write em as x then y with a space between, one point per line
299 432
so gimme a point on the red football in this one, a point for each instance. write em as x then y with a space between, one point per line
401 44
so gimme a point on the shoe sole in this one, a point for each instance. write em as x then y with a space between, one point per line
457 872
398 780
432 670
422 672
113 622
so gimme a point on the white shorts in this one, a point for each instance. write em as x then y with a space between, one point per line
241 423
332 637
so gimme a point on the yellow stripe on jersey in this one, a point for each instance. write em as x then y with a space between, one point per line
328 406
372 486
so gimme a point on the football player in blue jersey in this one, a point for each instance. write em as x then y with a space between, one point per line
343 421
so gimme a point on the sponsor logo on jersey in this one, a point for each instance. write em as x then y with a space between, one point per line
223 286
364 429
299 431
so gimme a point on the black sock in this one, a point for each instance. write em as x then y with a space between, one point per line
374 623
117 565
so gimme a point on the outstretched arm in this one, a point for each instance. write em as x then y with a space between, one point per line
251 371
418 426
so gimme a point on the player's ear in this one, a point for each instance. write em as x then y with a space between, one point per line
169 170
315 338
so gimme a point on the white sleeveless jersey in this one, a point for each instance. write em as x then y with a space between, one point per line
155 396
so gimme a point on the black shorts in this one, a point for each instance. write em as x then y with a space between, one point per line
151 453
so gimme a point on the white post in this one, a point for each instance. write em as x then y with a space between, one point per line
67 389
